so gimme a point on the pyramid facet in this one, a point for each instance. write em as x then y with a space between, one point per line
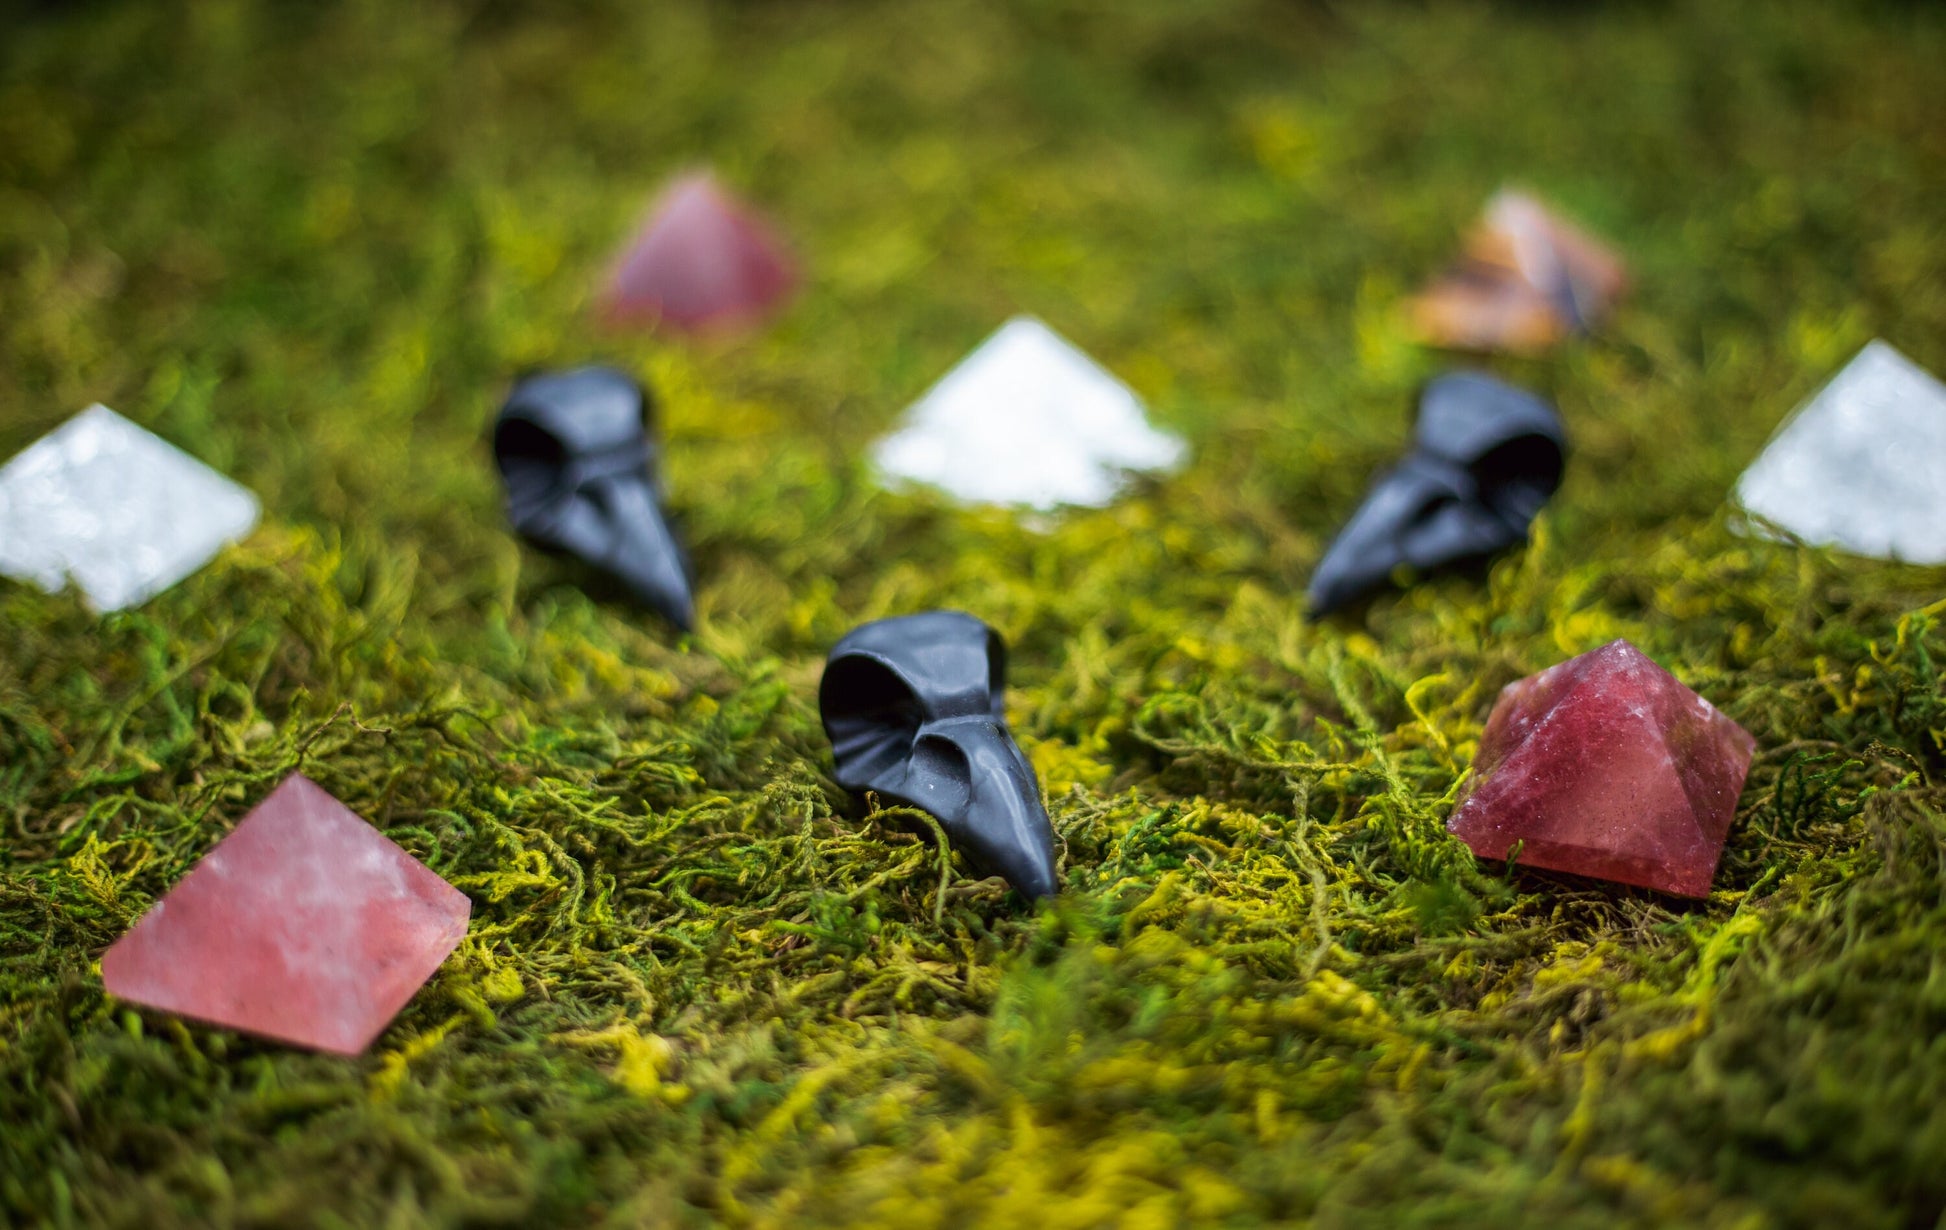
121 513
305 924
1862 465
703 263
1526 280
1027 419
1607 766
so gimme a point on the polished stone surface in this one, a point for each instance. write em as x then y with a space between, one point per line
1027 420
118 511
914 707
704 263
1862 465
1607 766
305 925
578 462
1525 281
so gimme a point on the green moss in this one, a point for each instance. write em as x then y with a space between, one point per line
312 244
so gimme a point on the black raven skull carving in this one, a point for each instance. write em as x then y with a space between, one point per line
578 465
913 706
1485 457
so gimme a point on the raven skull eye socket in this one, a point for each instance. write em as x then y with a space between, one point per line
872 717
533 461
914 709
1518 476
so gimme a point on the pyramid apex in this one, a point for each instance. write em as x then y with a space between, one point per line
703 262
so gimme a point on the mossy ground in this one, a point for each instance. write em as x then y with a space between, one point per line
313 243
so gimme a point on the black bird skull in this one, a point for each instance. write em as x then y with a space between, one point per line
578 465
1485 457
914 709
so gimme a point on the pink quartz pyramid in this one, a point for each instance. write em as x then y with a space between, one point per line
305 924
1607 766
704 263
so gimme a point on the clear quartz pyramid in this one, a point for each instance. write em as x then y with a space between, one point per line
119 511
1027 419
1862 465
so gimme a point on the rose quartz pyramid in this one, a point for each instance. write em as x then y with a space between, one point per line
306 925
1527 279
1607 766
703 263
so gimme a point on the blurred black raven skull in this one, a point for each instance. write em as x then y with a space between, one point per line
578 465
1485 457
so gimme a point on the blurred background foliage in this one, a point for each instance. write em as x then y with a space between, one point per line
313 243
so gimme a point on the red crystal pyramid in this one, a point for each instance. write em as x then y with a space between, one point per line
305 924
1607 766
702 263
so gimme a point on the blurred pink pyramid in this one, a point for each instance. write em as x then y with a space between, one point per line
703 263
305 924
1607 766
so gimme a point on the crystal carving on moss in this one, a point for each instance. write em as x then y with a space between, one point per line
1862 465
305 925
1027 420
117 510
1607 766
1525 281
704 263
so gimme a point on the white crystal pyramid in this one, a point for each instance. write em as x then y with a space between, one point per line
122 513
1026 419
1862 465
